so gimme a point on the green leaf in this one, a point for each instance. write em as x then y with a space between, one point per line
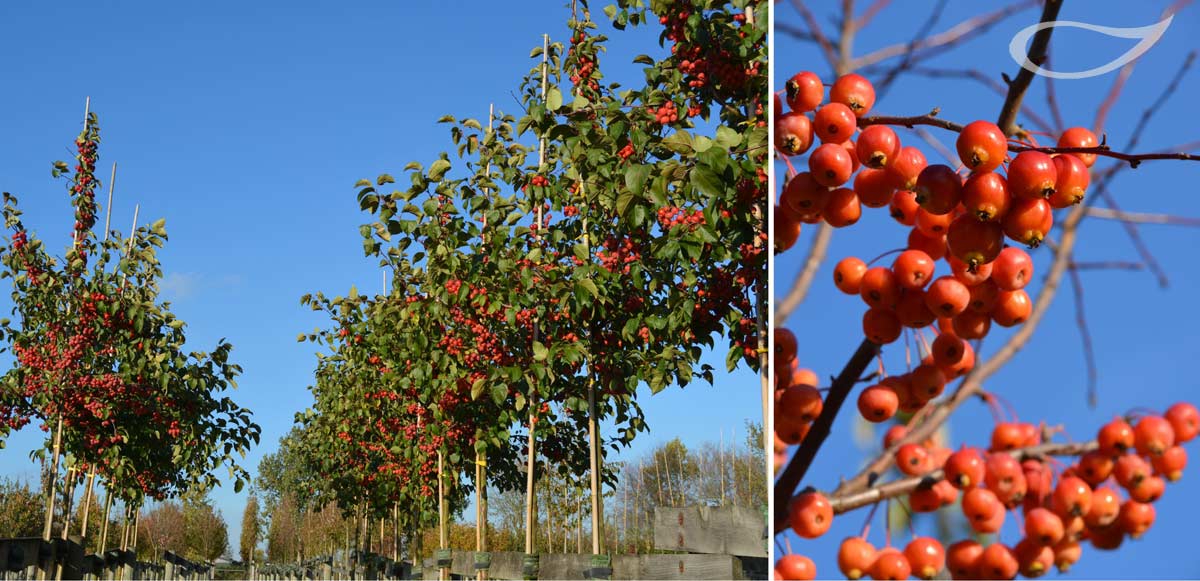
728 138
635 178
623 202
540 353
643 59
438 170
707 181
553 99
238 485
588 284
581 251
680 142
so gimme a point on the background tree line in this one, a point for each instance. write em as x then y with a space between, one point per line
288 518
190 527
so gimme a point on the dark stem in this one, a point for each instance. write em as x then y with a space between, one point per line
797 467
1037 55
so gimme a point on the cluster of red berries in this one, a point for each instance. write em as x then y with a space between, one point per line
626 151
582 73
705 65
619 253
1081 502
539 181
666 113
964 216
671 216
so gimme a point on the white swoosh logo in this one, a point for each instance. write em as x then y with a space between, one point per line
1148 35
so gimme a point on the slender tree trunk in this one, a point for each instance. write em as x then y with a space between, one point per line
443 537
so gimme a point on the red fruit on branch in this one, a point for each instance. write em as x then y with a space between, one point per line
982 146
1080 137
834 123
810 514
985 196
939 189
854 91
804 91
1032 176
855 557
877 145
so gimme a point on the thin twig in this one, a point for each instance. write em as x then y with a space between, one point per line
814 28
1135 237
937 145
1109 265
1161 101
870 13
1036 55
816 254
986 80
846 40
906 62
932 120
1141 217
1085 335
957 34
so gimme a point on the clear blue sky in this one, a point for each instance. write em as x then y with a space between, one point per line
246 126
1145 337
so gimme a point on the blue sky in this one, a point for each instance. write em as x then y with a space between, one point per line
246 126
1145 336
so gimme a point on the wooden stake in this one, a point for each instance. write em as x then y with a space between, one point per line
443 536
108 497
530 500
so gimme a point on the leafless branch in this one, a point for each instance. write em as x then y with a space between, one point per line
1141 217
1085 335
870 13
1108 265
814 28
1134 236
901 487
1161 101
793 474
816 254
932 120
957 34
1020 84
934 15
989 82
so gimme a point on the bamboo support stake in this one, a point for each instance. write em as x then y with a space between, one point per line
530 506
108 497
481 514
443 537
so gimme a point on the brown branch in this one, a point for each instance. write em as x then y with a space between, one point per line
816 254
1085 334
957 34
794 31
1134 237
1108 265
793 474
1134 159
1161 101
950 156
1036 55
848 502
907 61
815 29
846 40
1142 217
